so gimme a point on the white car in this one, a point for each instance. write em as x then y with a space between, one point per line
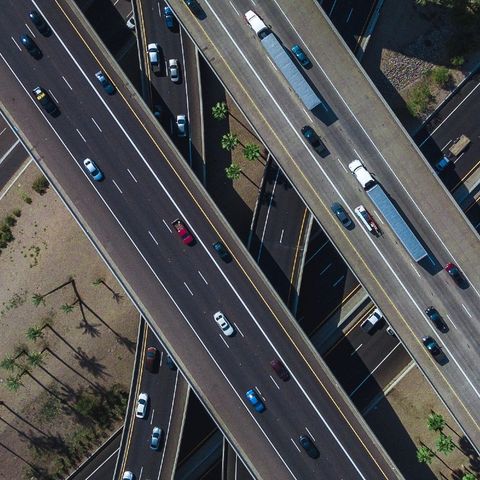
223 323
142 405
128 476
153 52
131 23
181 125
174 70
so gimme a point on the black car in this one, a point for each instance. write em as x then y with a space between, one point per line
196 9
45 101
40 23
30 46
170 363
309 447
341 214
222 251
315 141
432 346
435 317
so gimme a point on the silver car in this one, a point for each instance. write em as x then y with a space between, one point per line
174 70
181 125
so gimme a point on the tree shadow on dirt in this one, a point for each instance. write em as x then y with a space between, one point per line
21 418
91 364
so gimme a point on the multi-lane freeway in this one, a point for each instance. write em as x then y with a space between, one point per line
177 288
357 124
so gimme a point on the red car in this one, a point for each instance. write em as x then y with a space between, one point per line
151 359
454 272
182 230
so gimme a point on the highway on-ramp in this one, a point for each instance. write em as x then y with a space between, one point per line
178 288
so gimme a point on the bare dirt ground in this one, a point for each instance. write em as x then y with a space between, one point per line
52 421
408 41
400 423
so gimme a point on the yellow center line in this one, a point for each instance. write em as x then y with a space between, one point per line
321 202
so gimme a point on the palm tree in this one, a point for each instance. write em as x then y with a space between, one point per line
98 281
425 454
67 308
13 383
35 359
220 111
34 333
8 363
233 171
445 444
469 476
251 151
435 422
37 299
229 141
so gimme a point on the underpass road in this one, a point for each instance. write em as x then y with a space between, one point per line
178 288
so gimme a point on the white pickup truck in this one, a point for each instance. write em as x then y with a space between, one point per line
153 52
372 321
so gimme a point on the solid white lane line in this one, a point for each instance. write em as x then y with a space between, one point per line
295 444
311 258
223 340
96 124
131 174
4 130
68 85
281 236
239 331
7 153
356 350
167 225
153 238
118 188
15 42
203 278
325 269
310 433
338 281
273 380
267 216
349 15
187 287
53 96
374 370
81 136
468 313
102 464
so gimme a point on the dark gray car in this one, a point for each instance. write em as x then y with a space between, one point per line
342 215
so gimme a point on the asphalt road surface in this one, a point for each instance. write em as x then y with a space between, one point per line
356 124
178 288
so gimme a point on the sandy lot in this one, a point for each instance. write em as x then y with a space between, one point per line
86 350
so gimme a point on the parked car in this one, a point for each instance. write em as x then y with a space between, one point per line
93 170
315 141
183 232
142 405
40 23
223 323
308 446
255 400
174 70
45 101
435 317
105 82
341 214
455 273
432 346
151 359
169 18
181 126
30 46
222 251
156 438
280 369
301 57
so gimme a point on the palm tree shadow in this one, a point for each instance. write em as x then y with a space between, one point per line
37 469
126 342
13 412
91 364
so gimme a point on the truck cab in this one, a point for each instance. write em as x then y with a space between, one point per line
372 321
361 174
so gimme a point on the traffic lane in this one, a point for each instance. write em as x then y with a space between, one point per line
7 138
11 163
281 221
124 8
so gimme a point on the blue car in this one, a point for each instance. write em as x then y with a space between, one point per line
105 82
169 18
301 57
93 170
30 46
255 401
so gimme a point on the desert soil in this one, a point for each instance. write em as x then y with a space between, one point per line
88 349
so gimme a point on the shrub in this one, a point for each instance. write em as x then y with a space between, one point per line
40 184
3 244
6 236
457 61
4 227
441 76
50 409
17 212
26 198
10 220
419 99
